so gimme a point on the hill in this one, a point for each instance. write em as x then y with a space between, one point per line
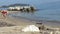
14 5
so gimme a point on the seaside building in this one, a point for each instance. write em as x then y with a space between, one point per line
21 8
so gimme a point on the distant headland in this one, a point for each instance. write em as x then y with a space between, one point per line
12 5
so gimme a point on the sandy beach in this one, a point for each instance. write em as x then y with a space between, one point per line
10 25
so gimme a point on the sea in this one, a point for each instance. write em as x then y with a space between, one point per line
47 11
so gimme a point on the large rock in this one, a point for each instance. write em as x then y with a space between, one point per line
30 28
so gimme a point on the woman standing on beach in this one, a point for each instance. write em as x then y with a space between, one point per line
4 13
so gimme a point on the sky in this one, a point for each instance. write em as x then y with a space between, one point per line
8 2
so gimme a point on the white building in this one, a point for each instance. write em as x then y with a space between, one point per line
19 7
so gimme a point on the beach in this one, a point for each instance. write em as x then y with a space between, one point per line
51 23
11 25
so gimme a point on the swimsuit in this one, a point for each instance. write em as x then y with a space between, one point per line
4 12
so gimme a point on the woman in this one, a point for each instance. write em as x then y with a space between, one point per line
4 13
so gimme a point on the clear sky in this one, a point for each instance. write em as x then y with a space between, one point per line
7 2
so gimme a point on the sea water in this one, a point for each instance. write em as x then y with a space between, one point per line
48 11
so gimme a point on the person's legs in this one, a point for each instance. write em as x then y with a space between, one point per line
4 15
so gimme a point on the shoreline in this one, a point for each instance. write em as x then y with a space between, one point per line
13 25
54 24
15 20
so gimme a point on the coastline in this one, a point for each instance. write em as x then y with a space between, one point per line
18 24
53 24
22 21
